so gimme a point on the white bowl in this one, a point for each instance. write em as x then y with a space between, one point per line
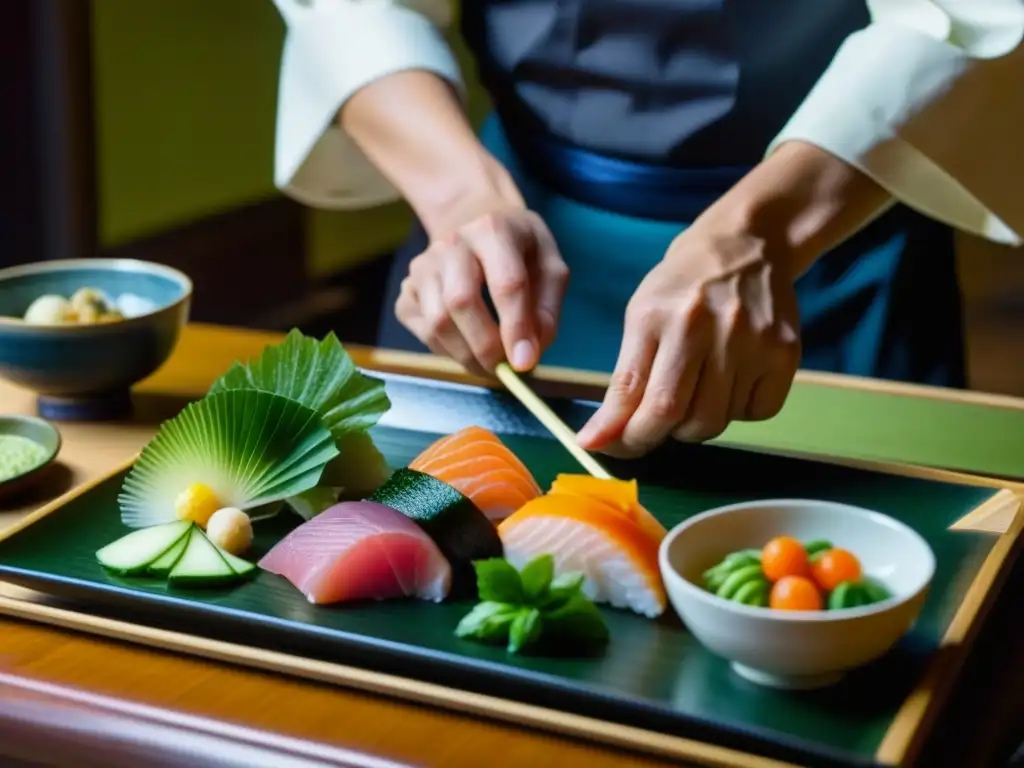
796 649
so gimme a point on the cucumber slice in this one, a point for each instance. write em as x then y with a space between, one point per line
201 565
237 564
166 562
134 553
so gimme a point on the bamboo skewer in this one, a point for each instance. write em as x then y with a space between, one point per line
532 402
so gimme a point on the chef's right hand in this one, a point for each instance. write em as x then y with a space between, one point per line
510 251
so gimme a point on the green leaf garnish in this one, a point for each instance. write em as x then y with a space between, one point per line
531 606
249 448
318 374
311 503
577 619
536 577
497 580
488 621
360 467
563 587
525 630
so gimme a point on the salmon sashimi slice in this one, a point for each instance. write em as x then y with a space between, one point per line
618 559
623 495
476 463
360 550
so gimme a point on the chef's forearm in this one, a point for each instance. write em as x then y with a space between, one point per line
412 126
801 201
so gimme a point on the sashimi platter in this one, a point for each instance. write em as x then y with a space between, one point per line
437 532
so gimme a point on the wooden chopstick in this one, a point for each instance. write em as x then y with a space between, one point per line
532 402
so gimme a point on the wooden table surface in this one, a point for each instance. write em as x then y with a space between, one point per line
83 701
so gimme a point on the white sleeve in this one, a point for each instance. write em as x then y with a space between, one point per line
332 49
928 100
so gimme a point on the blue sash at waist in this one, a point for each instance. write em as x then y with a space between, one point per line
626 187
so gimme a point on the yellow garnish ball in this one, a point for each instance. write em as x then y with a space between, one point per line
197 503
231 530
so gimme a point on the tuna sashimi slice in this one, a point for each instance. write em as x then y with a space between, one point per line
360 550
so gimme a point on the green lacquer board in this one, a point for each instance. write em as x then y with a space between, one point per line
653 674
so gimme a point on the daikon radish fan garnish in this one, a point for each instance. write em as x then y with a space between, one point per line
241 449
320 375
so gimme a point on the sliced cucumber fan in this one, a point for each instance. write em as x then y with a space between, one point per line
249 447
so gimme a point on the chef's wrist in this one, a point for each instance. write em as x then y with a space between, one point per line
477 184
800 202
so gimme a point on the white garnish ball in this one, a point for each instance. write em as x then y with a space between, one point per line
130 305
49 310
231 530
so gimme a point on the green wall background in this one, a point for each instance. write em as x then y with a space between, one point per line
185 100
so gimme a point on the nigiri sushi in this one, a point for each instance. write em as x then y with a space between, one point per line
597 529
621 494
360 550
474 461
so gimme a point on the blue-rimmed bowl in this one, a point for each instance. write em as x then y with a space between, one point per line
87 371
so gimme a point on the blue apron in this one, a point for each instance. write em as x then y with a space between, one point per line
884 304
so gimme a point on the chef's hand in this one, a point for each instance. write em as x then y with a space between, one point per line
509 250
711 335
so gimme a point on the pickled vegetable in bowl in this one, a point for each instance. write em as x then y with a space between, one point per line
796 593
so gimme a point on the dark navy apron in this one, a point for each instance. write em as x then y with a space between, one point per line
622 120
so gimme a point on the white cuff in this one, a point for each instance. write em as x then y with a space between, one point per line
331 52
934 125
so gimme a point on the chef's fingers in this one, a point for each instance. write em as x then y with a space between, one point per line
708 412
441 330
670 390
551 280
627 385
462 294
408 312
769 393
499 245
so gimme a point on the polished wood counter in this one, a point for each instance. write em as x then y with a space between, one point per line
71 699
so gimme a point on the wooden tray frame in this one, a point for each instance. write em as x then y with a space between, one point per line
1001 515
901 742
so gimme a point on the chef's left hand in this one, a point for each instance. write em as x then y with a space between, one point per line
711 336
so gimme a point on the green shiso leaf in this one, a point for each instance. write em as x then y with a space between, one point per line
532 607
250 448
319 375
536 576
360 468
311 503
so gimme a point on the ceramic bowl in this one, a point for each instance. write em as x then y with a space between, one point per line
38 431
87 371
797 649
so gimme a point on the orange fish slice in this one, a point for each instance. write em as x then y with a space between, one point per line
623 495
618 559
480 466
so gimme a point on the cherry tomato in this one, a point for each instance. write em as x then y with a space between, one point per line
795 593
835 566
784 556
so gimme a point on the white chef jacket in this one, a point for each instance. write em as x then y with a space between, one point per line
935 119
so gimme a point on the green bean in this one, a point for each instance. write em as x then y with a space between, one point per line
737 579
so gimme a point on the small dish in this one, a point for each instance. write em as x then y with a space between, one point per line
38 431
797 649
86 372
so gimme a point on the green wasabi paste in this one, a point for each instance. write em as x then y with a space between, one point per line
19 455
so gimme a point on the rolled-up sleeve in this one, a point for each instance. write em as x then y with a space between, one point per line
928 100
332 49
